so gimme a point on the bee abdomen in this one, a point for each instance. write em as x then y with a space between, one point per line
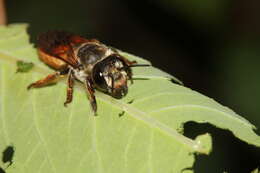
51 61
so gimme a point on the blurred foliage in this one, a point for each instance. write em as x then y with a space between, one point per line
211 12
239 78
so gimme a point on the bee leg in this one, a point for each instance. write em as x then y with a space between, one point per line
70 84
91 96
129 63
47 80
130 76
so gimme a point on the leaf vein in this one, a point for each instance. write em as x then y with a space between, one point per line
95 146
130 139
4 127
41 166
160 94
244 121
31 154
150 162
39 134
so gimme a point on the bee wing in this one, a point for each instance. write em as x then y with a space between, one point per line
58 44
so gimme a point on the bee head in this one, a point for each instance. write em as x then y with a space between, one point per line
110 75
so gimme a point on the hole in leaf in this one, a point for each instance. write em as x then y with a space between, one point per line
229 154
2 170
121 113
8 155
131 101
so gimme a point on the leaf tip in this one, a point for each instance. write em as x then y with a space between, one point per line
204 142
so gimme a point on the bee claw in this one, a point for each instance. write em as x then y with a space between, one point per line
66 104
134 62
30 86
94 113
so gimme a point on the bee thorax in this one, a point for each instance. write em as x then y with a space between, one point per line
80 75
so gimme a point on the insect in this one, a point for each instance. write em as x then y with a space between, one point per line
89 61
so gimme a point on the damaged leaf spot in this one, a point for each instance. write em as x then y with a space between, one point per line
131 101
121 113
8 155
23 67
2 170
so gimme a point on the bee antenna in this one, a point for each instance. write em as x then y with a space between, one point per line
139 65
136 65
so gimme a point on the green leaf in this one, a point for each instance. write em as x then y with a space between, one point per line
47 137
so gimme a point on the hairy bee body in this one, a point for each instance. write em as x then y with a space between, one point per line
86 60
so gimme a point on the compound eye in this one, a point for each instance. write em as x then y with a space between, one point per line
98 78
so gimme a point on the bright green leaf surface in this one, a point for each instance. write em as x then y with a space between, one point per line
47 137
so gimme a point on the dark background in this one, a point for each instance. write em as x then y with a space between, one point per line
213 46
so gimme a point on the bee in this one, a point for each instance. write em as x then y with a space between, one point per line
88 61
